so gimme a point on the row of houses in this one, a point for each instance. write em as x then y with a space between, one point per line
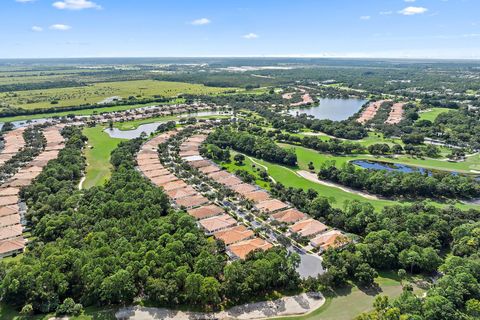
370 111
211 218
319 235
11 228
394 117
396 113
14 142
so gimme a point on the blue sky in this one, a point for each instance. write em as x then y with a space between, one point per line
161 28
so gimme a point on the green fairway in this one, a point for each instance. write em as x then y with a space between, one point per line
347 303
305 156
432 114
98 150
97 92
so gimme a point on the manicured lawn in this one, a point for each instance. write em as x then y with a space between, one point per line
432 114
97 92
305 156
347 303
98 150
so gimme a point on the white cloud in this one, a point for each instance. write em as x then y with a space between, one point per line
200 22
410 11
37 29
365 18
60 27
76 5
251 36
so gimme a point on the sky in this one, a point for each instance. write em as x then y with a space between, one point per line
266 28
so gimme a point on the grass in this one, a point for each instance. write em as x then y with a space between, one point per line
100 145
97 92
432 114
348 303
305 156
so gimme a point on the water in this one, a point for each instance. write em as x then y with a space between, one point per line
377 165
24 123
149 128
333 109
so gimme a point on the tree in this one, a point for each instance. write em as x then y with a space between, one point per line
365 275
210 291
193 287
438 308
118 288
239 158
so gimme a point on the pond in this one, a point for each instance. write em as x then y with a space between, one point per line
333 109
377 165
149 128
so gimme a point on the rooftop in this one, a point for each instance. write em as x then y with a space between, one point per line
289 216
206 211
327 239
217 223
243 248
271 205
309 228
233 235
191 201
257 196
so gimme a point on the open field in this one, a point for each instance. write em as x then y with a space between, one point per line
98 150
98 92
432 114
85 112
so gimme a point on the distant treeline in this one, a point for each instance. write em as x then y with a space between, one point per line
40 85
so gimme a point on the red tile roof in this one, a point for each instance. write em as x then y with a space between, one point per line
271 205
206 211
234 235
289 216
243 248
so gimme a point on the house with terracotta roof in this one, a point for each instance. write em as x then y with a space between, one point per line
174 185
209 169
230 181
289 216
271 206
217 223
181 193
241 249
191 201
329 239
200 163
308 228
9 210
11 246
11 232
162 180
206 211
257 196
243 188
8 200
218 175
234 235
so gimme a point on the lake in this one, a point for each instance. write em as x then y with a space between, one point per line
333 109
149 128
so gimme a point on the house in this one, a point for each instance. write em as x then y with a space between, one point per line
332 238
257 196
206 212
289 216
217 223
234 235
271 206
241 249
308 228
11 246
181 193
243 188
230 181
191 201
